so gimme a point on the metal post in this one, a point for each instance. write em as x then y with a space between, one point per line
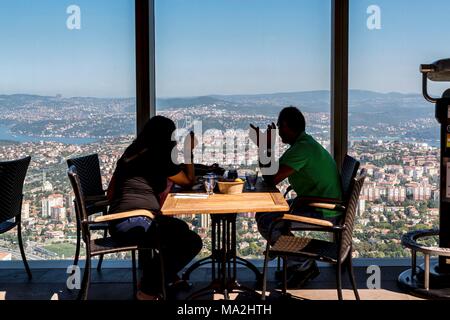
213 247
152 58
339 79
413 263
442 115
145 62
427 272
145 67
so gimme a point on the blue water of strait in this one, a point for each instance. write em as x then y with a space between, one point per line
7 135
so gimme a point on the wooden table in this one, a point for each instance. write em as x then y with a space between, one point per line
224 204
224 210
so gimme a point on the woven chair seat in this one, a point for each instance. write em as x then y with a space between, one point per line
339 251
305 247
12 177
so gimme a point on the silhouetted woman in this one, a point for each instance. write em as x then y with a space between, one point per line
141 175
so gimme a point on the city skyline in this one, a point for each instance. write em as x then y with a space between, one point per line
228 63
400 194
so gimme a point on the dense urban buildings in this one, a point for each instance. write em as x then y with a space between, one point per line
401 192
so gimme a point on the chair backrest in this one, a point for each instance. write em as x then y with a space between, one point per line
349 170
88 171
80 206
12 177
350 215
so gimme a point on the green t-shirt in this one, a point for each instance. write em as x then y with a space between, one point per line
316 174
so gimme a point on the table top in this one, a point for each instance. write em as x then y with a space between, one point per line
264 199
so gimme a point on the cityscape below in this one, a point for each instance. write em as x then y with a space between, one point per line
395 136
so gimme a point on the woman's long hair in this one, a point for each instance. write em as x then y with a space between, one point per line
156 137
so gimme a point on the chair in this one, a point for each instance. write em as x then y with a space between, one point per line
106 245
349 169
88 169
12 177
336 252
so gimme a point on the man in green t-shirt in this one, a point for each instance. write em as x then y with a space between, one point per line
311 172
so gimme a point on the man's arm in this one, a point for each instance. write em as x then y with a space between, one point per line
283 173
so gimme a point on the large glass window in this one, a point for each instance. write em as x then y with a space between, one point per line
67 89
229 63
392 128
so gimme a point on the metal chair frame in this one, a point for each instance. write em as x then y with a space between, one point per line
338 252
12 178
88 168
107 245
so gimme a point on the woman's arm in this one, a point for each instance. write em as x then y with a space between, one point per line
186 178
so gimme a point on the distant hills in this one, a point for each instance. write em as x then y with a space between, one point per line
65 104
371 114
392 107
364 106
302 99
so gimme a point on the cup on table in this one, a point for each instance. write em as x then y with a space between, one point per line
210 181
252 178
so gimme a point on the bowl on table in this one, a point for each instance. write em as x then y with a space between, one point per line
231 186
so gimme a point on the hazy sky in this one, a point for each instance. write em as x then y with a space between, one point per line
242 46
39 54
215 46
413 32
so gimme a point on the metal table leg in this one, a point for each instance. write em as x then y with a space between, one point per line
232 258
427 272
251 266
224 258
186 275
